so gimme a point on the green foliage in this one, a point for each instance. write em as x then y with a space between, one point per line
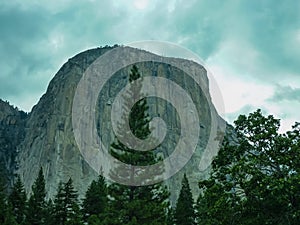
136 204
139 125
9 216
257 180
170 216
94 220
145 205
49 217
253 181
66 209
59 210
6 211
71 202
185 212
17 199
35 214
2 202
95 200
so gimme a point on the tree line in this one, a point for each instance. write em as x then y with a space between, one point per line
253 180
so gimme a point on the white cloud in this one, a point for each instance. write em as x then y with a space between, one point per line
141 4
237 92
243 94
246 53
231 66
56 41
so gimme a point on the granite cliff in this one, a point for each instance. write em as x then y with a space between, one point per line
45 137
12 133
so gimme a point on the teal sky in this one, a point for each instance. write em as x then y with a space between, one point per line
252 48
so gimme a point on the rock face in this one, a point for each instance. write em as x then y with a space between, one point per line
50 142
49 139
12 132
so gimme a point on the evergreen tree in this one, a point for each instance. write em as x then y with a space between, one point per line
6 213
49 218
170 216
94 220
3 206
9 216
66 210
185 212
95 200
136 204
214 207
17 199
37 202
71 204
59 210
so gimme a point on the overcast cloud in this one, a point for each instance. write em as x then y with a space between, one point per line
251 47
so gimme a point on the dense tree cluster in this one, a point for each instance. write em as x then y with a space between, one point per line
96 208
257 179
254 180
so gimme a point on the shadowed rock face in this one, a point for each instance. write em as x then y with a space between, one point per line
49 140
12 132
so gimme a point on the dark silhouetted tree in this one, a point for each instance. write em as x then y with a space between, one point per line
184 211
95 200
49 218
9 216
17 199
66 210
136 204
3 206
35 214
59 209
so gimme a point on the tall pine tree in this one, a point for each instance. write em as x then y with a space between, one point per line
71 204
2 202
37 202
6 213
9 216
66 210
95 200
185 212
136 204
17 199
49 218
59 210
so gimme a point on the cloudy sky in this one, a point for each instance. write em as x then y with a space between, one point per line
252 48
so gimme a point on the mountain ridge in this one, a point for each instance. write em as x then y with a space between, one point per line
49 141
